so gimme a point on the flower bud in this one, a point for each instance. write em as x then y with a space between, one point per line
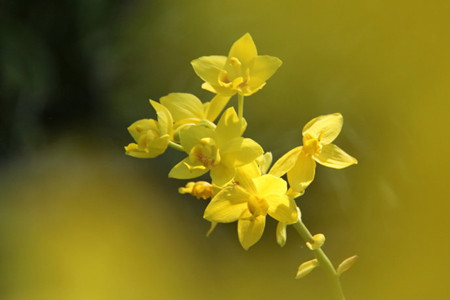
306 268
317 242
346 264
199 189
281 234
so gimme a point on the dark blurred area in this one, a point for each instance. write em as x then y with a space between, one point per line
80 220
56 69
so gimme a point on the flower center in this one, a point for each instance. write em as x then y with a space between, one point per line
231 76
206 153
311 145
257 206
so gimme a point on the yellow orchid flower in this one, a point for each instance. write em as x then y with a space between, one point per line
243 71
300 162
220 150
152 137
186 109
249 200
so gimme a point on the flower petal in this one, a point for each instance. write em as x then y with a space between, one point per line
324 128
141 127
183 106
165 120
192 135
208 67
229 127
302 174
133 150
227 206
245 174
216 106
263 67
182 171
157 146
264 161
222 174
240 151
251 230
244 49
282 208
286 162
334 157
211 229
269 184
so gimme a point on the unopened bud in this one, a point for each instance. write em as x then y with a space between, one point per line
317 242
281 234
346 264
306 268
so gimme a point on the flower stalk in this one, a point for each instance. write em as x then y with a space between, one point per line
176 146
240 106
324 261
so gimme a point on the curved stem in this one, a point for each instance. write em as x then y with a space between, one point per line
240 106
323 259
176 146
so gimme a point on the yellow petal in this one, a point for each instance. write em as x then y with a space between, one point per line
240 151
157 146
227 206
182 171
334 157
208 68
133 150
222 174
286 162
211 229
324 128
165 120
209 87
250 230
218 89
245 174
216 106
141 127
269 184
264 161
229 127
244 49
263 67
192 135
281 234
183 106
282 208
302 174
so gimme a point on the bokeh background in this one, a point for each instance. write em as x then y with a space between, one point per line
80 220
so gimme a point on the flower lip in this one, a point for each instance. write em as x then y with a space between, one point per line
311 145
206 153
257 206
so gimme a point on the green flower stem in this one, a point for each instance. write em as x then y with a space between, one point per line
240 106
176 146
324 261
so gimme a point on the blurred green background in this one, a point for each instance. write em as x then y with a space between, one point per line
80 220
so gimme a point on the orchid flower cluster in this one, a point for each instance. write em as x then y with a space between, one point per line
243 187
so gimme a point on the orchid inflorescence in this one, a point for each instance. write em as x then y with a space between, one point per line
243 186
